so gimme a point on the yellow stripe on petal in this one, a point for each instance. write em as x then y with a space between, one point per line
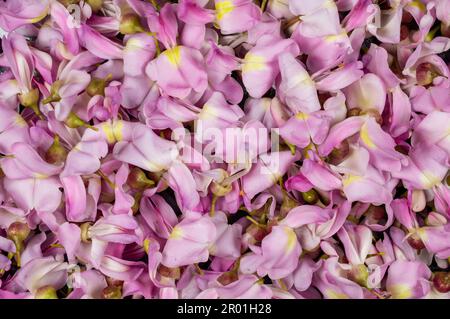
117 130
19 121
39 176
39 18
331 294
302 116
291 239
350 179
208 113
112 131
364 133
400 291
429 180
107 129
253 62
173 55
176 233
223 8
418 4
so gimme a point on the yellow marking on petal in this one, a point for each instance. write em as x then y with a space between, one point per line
429 180
400 291
350 179
302 116
208 112
253 62
117 130
39 18
108 130
335 295
364 133
153 167
418 4
176 233
173 55
335 37
329 4
223 8
291 239
39 176
113 131
422 233
19 121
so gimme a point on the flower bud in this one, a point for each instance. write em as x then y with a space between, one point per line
167 272
112 292
258 233
54 96
137 200
85 238
95 4
137 179
373 113
73 121
228 277
31 99
375 213
46 292
415 242
97 86
441 281
130 24
220 190
56 154
18 231
340 153
425 74
354 112
310 196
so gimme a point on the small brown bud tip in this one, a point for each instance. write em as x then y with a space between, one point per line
97 86
258 233
95 5
137 179
376 212
130 24
441 281
375 114
46 292
353 112
56 154
447 180
85 238
340 153
167 272
18 231
228 277
112 292
220 190
310 196
415 242
425 74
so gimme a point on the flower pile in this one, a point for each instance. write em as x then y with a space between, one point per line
225 149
